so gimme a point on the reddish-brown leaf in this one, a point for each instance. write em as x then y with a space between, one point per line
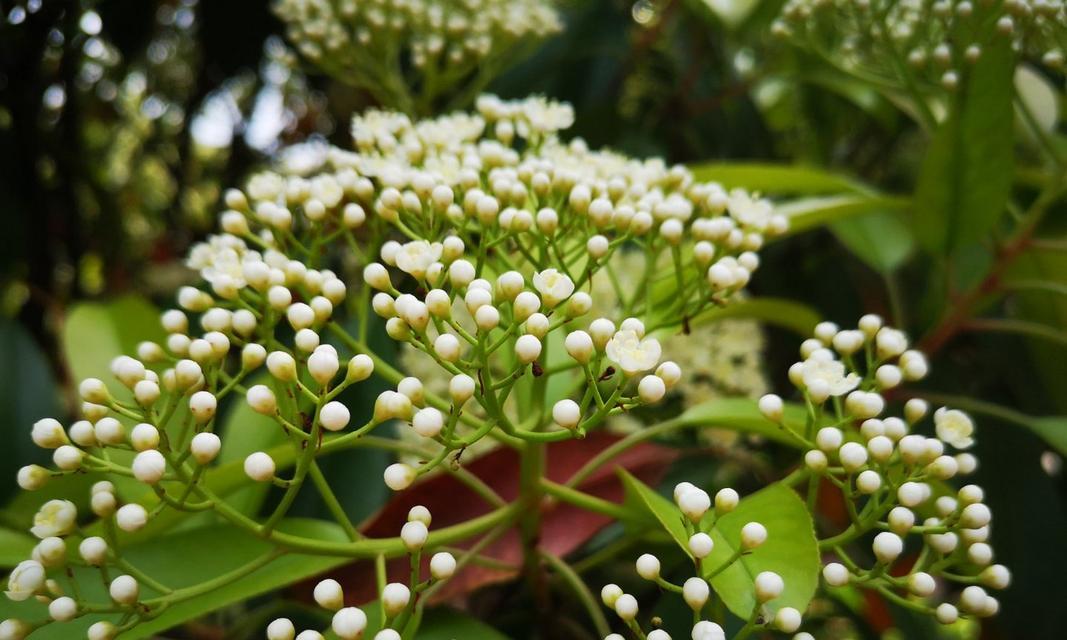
564 527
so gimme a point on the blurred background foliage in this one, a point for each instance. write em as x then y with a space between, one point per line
122 122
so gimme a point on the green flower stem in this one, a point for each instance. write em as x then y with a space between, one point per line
334 506
219 581
734 557
581 590
750 625
586 501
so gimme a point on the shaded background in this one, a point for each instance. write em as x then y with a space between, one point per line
108 172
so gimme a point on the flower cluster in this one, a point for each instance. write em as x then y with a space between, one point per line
399 601
890 475
929 41
409 53
476 239
700 513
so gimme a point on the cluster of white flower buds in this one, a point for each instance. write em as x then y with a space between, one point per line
398 600
933 41
400 48
701 513
887 473
479 239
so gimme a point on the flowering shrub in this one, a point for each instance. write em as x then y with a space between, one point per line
488 286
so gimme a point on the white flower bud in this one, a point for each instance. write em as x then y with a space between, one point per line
567 414
68 458
609 594
334 416
282 366
695 592
399 476
360 367
260 467
694 503
853 456
527 347
205 447
323 365
414 535
329 595
395 597
102 630
428 422
975 516
32 477
726 500
94 390
202 405
124 590
753 535
835 574
579 345
601 330
461 388
787 619
442 565
48 433
868 482
93 550
626 606
648 566
281 629
262 400
63 609
149 466
701 545
376 276
771 407
829 438
887 547
651 389
252 356
769 585
349 623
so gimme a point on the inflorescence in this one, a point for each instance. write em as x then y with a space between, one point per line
411 53
476 239
923 43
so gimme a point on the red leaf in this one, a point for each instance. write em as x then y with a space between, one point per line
564 527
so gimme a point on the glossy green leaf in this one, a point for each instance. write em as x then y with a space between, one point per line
966 176
95 333
742 414
808 213
189 558
448 624
788 314
776 179
880 239
791 550
15 546
28 393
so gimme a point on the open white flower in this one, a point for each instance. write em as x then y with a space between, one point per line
749 211
415 257
954 427
631 353
54 518
553 286
828 375
25 580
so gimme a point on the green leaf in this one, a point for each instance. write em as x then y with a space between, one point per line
791 550
15 547
776 179
28 393
794 316
190 558
880 239
967 173
808 213
448 624
742 414
95 333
